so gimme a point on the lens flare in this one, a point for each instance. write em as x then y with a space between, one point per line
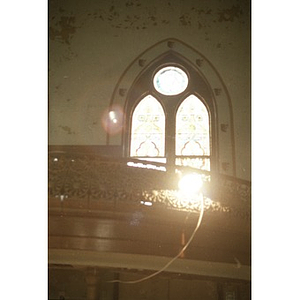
190 184
112 120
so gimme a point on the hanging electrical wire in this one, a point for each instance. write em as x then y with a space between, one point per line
174 258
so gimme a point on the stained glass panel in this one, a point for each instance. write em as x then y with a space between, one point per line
194 162
170 81
192 132
192 128
148 129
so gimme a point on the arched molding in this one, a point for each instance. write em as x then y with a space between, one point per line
219 102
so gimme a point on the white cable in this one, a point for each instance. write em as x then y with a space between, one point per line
174 258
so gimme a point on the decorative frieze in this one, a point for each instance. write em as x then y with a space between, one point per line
87 178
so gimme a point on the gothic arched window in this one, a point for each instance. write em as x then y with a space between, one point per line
148 129
170 120
192 99
192 137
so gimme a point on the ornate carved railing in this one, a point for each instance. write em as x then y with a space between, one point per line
110 180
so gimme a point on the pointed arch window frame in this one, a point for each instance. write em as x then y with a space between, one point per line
170 104
148 129
192 134
216 97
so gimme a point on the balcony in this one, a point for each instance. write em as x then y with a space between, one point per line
122 213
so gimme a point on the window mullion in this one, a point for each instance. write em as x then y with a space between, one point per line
170 140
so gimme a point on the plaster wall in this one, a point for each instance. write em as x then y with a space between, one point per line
91 43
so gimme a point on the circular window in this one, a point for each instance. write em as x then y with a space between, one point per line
170 81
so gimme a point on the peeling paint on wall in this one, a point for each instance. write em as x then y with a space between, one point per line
67 129
135 15
65 31
230 14
86 58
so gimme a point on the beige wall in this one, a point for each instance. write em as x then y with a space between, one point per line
93 42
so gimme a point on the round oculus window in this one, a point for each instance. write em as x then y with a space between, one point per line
170 81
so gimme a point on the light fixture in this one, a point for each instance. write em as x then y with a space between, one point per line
190 184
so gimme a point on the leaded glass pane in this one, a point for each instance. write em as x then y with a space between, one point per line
192 128
155 159
170 81
197 162
148 129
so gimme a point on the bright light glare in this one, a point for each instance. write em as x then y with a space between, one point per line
190 184
170 81
147 203
146 166
113 117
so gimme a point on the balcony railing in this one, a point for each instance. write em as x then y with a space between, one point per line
87 181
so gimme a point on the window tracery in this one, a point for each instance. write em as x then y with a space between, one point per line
148 129
204 81
183 137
